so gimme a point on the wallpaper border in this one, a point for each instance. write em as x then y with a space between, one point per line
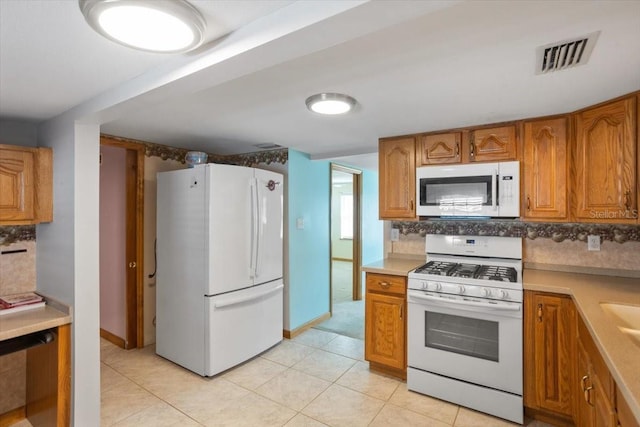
558 232
167 152
16 233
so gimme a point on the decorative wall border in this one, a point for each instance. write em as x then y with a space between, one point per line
166 152
558 232
280 155
16 233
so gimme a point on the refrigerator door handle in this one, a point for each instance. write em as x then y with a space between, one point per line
254 229
239 300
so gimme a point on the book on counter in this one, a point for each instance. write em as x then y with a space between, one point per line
20 302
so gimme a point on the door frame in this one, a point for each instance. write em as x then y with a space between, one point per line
135 239
356 255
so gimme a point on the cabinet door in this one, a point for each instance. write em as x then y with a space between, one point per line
397 181
493 144
385 330
545 169
604 413
549 353
585 414
17 187
605 163
439 149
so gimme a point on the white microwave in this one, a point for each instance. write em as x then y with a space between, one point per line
475 190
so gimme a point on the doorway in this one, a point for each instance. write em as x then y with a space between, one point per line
121 242
346 304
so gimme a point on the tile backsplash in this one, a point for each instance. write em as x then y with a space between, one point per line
17 274
544 244
18 267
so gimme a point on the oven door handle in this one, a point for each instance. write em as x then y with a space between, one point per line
498 306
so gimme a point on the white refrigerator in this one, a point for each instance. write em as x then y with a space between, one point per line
219 295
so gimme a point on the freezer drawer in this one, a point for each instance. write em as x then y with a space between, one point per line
242 324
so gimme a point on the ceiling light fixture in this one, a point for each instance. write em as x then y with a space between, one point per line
330 103
167 26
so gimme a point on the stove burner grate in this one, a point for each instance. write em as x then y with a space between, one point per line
502 274
465 270
472 271
439 268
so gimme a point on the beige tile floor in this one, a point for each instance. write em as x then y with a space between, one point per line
318 378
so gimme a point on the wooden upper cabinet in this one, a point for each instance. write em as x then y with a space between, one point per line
439 149
492 144
605 163
25 185
545 170
397 180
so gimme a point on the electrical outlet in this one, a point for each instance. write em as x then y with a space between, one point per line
593 242
300 223
395 234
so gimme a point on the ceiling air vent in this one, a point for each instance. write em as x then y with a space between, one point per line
565 54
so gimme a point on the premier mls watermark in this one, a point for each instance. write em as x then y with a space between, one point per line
614 214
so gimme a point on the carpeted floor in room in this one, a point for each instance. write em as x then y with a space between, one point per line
347 315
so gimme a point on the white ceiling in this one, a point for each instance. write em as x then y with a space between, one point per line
413 66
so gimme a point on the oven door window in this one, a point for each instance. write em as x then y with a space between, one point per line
469 192
462 335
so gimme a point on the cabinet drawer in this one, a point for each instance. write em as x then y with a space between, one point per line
386 283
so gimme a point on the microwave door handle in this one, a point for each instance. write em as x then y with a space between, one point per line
498 181
494 191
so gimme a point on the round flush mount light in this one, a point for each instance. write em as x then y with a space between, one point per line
330 103
164 26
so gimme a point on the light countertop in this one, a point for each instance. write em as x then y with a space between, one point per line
395 266
25 322
619 352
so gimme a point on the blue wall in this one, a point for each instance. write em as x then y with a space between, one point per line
308 248
309 264
372 244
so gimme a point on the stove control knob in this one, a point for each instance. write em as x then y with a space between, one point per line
437 286
486 292
504 294
461 289
425 285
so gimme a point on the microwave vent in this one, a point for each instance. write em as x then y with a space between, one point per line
565 54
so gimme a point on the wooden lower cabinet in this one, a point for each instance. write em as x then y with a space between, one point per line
549 323
385 324
595 387
624 413
566 380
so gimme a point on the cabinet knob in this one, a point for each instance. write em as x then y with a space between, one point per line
587 395
133 264
411 204
457 149
385 285
627 200
528 203
473 150
539 312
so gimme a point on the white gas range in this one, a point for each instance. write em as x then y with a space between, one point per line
465 323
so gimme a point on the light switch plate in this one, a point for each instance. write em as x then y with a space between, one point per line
395 234
300 223
593 242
